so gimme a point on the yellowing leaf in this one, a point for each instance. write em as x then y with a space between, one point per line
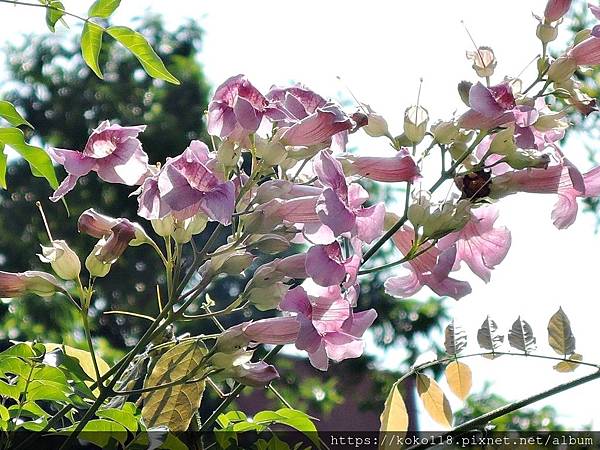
174 406
85 360
459 378
568 366
560 336
435 402
394 416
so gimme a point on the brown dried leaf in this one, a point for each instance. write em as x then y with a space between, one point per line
566 366
488 337
520 336
560 336
459 378
455 339
435 402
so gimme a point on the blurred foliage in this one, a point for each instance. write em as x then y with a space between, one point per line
64 100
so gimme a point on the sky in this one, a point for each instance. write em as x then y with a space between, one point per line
380 49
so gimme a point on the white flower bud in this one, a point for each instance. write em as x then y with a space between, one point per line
63 260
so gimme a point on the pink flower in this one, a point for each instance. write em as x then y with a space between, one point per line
490 107
275 331
556 9
256 374
185 186
304 117
428 269
328 327
479 244
236 110
113 151
327 267
99 225
587 52
340 206
562 179
30 282
401 167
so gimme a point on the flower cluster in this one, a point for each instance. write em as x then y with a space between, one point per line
280 172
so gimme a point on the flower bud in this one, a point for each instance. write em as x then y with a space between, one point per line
546 32
256 374
94 265
270 152
185 229
376 125
231 263
562 69
99 225
446 219
484 61
270 244
503 142
29 282
228 154
415 123
581 36
265 298
524 159
444 132
556 9
464 87
63 260
164 227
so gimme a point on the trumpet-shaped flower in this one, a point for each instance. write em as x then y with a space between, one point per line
431 269
236 110
113 151
479 244
329 329
340 206
397 168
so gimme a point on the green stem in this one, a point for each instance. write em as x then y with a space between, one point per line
88 337
41 5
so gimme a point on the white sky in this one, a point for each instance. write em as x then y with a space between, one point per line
381 49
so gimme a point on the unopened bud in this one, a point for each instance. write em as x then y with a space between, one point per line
546 32
464 87
484 61
376 125
270 152
164 227
524 159
444 132
415 123
228 154
29 282
265 298
269 243
63 260
503 142
562 69
94 265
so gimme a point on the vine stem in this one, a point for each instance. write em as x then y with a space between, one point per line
41 5
446 175
506 409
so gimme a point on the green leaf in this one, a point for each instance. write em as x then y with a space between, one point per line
14 365
99 432
9 113
3 165
125 418
22 349
34 425
29 409
175 406
139 47
54 12
103 8
301 422
91 43
4 414
47 390
85 360
9 390
38 159
70 365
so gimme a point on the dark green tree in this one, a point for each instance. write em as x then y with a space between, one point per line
64 100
